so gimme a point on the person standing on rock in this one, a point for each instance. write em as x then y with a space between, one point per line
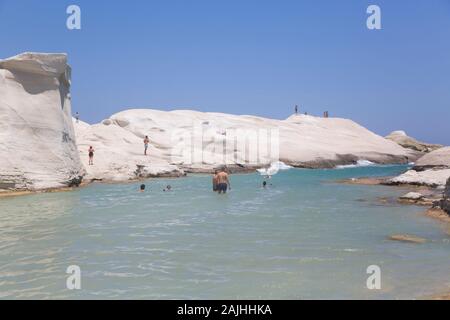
77 117
91 156
296 109
146 143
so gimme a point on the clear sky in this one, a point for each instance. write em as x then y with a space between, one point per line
250 57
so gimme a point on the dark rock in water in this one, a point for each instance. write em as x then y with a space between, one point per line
445 202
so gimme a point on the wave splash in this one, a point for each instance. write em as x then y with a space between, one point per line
359 163
274 168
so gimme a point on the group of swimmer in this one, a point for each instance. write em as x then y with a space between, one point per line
221 181
168 188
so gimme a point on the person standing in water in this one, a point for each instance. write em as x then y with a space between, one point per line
296 109
223 182
214 181
146 142
91 156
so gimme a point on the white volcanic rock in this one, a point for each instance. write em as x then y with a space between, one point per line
405 141
439 158
432 178
37 140
412 196
191 141
327 142
433 169
119 154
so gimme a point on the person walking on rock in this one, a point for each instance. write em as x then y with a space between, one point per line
91 156
146 143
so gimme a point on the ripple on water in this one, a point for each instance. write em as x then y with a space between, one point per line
291 240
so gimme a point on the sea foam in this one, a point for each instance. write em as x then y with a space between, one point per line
359 163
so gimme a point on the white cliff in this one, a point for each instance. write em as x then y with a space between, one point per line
37 139
190 141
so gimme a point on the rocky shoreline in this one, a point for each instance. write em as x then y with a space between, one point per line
416 194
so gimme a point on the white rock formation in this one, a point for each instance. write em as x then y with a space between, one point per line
405 141
412 196
37 140
119 154
432 178
433 169
190 141
436 159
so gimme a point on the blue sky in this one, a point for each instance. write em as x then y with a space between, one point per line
250 57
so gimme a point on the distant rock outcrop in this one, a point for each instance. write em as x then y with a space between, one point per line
433 169
438 159
37 139
431 178
405 141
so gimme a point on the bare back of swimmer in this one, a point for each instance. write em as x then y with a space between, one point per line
223 182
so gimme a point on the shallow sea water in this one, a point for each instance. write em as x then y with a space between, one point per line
305 237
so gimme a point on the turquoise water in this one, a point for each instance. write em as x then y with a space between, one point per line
305 237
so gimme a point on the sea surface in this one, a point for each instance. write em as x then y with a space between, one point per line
304 237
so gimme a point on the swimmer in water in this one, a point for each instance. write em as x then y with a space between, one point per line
223 181
142 188
214 181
